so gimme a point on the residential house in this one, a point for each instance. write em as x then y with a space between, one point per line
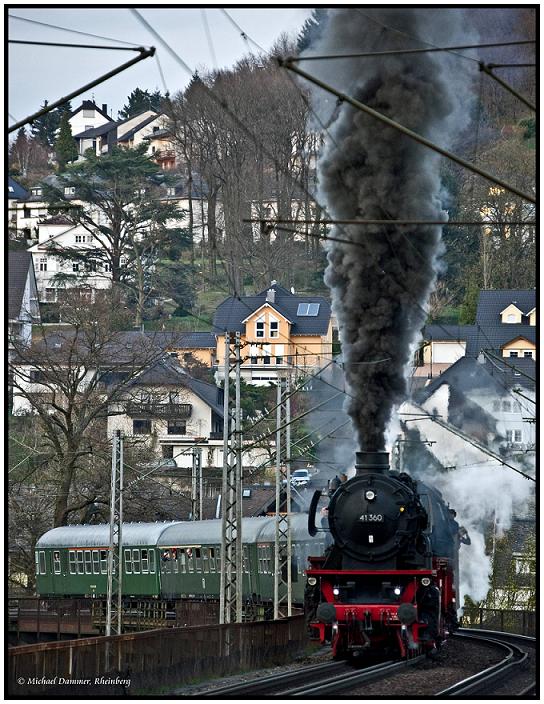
161 147
176 414
281 332
441 346
128 132
506 323
188 346
58 233
16 193
23 306
88 116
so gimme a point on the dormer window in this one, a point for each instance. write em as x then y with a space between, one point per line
511 315
69 190
36 191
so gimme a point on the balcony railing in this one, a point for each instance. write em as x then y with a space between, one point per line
159 410
162 154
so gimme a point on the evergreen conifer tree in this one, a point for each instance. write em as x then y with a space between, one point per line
65 145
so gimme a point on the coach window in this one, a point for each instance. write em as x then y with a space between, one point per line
145 562
42 562
218 561
175 560
80 565
190 563
205 563
88 562
72 561
96 562
182 561
104 561
56 562
37 559
128 561
212 559
152 562
245 560
136 561
198 560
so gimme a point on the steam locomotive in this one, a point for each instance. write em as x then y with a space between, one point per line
388 582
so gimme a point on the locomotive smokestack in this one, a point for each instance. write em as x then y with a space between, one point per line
371 462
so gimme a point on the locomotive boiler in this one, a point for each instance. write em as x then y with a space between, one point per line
388 581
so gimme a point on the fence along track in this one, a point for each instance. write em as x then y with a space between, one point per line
481 682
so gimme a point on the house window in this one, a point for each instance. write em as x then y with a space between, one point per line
517 435
513 353
496 406
279 360
80 238
259 328
107 267
253 360
524 565
88 112
266 360
141 426
511 318
528 354
274 328
507 406
75 266
36 191
509 435
43 263
50 295
170 191
177 427
69 190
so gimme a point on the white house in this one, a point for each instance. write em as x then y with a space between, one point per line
88 116
57 232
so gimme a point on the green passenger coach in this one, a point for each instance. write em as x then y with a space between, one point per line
175 560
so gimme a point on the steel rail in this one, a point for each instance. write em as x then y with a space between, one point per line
480 682
273 682
333 685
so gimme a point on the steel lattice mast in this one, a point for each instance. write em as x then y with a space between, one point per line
114 611
230 603
282 542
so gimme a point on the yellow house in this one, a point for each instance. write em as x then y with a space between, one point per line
511 315
282 333
519 347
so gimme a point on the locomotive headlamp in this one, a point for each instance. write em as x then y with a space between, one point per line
312 581
397 591
425 581
370 495
336 591
402 509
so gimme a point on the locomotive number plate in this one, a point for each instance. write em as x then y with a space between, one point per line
371 517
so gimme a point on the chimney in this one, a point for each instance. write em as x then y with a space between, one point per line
105 108
271 295
375 462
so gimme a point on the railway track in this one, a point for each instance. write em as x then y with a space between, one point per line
315 680
515 665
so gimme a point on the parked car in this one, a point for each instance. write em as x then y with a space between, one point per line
301 477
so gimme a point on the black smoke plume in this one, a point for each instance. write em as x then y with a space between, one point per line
381 282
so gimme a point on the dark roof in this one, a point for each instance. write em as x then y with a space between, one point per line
15 190
470 374
127 135
56 220
167 372
448 332
97 131
184 340
491 303
19 265
90 105
493 337
230 314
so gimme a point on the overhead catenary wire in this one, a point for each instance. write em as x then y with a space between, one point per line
144 54
400 52
243 34
76 46
408 132
398 222
487 70
67 29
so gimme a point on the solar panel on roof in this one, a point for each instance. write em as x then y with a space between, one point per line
308 309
